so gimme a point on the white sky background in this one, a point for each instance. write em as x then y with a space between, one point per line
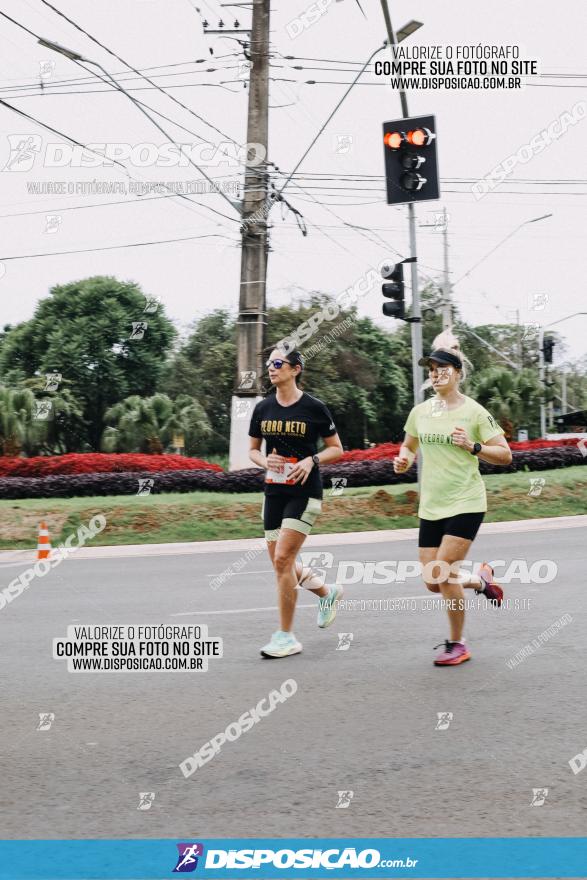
476 131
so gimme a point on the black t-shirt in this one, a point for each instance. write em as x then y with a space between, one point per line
293 431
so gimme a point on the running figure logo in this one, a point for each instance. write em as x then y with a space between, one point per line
42 410
538 301
46 69
145 485
138 329
444 719
539 796
146 799
23 149
312 559
344 799
536 486
344 641
343 144
152 303
187 859
52 381
247 380
438 407
46 719
531 331
338 485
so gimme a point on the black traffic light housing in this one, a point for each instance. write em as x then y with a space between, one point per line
393 289
411 161
547 347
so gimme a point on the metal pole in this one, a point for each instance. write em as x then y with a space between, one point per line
416 312
252 314
446 305
542 385
417 375
519 334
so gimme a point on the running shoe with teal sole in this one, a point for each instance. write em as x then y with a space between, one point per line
282 644
327 606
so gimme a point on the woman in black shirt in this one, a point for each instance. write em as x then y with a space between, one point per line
291 421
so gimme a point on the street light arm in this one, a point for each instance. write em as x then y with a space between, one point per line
574 315
393 42
499 244
356 79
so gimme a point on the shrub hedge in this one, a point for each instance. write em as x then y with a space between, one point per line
213 479
98 462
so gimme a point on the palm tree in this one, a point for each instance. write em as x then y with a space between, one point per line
508 395
149 424
16 419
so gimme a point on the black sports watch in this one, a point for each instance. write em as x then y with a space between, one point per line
316 460
476 449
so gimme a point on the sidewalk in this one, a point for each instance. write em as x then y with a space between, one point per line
18 557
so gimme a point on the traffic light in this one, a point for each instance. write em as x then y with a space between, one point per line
411 162
394 290
547 346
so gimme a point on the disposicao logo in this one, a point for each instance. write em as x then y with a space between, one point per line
187 859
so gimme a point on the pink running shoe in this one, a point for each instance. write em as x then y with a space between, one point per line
491 590
453 654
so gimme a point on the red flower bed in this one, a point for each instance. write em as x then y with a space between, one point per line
388 450
99 463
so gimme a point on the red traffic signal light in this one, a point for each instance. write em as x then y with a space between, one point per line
393 139
420 137
411 163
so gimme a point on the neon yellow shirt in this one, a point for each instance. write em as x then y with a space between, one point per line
451 482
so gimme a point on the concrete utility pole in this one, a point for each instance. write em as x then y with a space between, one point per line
417 374
252 315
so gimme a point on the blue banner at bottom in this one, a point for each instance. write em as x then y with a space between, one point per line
386 858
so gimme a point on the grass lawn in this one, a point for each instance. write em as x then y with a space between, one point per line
201 516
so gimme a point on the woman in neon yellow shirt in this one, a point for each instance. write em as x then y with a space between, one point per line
453 432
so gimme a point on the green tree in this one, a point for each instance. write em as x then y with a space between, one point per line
205 365
16 419
83 330
149 424
351 369
512 397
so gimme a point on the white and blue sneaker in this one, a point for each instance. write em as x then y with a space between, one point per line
327 606
282 644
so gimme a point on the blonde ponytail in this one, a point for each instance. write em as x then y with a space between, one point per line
447 341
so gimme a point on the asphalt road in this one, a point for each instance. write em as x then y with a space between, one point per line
362 720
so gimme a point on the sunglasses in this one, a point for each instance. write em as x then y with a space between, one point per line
277 363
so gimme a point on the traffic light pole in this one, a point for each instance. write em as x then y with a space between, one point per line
446 295
542 370
416 309
417 376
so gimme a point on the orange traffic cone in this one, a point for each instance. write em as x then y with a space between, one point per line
44 545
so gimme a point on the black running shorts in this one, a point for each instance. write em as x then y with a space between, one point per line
463 525
289 512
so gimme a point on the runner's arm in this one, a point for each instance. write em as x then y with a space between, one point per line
255 453
496 451
409 448
332 449
407 453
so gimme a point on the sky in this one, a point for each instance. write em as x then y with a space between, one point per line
540 264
